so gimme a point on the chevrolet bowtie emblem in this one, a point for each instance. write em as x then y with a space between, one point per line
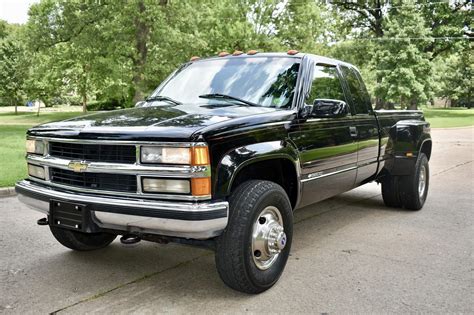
78 166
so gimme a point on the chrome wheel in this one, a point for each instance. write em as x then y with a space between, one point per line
268 237
422 181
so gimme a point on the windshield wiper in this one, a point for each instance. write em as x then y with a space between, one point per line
227 97
162 98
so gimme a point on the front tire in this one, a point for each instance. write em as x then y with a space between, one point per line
82 241
254 248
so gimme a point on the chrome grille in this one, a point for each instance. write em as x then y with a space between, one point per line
94 152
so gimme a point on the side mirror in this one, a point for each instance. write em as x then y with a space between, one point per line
140 104
327 108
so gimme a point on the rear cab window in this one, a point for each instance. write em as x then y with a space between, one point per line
359 96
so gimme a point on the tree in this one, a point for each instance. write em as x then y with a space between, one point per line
13 71
402 67
449 22
364 23
76 35
3 29
301 25
455 75
364 17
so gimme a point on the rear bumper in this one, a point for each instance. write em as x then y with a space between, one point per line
198 220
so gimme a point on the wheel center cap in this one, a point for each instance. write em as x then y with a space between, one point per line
276 239
281 241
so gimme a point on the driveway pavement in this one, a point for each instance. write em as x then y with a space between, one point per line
350 254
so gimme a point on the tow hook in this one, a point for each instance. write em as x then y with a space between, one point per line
42 221
129 239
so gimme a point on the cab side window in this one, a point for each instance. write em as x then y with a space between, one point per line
326 85
359 95
364 92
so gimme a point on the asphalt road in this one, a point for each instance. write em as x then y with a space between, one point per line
350 254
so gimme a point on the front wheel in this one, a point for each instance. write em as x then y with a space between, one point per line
81 241
254 248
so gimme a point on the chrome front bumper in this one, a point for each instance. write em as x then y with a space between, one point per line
197 220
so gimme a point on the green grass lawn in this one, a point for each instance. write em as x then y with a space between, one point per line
12 137
447 118
31 119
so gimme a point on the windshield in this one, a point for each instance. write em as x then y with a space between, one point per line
266 81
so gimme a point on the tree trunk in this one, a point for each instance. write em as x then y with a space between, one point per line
379 103
141 36
413 104
142 32
84 103
83 88
16 107
39 106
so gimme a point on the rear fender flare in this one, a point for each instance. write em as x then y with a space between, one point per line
406 140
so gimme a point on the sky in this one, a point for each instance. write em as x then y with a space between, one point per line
15 11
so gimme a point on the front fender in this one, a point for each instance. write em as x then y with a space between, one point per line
236 159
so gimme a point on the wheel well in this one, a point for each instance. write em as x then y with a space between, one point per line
426 149
280 171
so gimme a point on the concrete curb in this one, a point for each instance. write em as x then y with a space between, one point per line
7 192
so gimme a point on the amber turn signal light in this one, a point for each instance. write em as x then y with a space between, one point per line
292 52
194 58
200 156
237 53
223 54
252 52
201 186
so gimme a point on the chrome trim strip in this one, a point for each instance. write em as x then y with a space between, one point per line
137 202
326 174
138 155
118 142
182 171
123 194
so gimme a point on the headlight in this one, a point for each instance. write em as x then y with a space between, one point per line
35 146
160 185
36 171
165 155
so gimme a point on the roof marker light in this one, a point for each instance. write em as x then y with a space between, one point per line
252 52
237 53
223 54
292 52
194 58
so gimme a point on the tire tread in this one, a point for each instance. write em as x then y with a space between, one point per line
230 265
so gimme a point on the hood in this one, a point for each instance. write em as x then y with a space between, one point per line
153 123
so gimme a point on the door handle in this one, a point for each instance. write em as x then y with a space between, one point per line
353 131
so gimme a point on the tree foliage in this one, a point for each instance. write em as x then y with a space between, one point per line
13 69
402 67
77 51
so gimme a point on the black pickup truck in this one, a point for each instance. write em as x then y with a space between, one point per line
220 155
